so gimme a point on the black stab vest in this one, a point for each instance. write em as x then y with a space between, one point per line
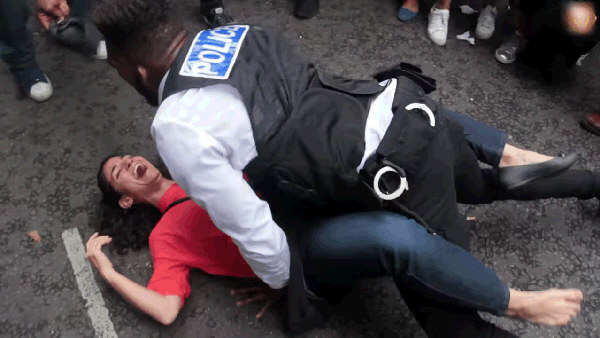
308 126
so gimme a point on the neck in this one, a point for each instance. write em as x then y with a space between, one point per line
154 198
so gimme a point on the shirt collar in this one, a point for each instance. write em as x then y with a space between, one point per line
173 193
161 87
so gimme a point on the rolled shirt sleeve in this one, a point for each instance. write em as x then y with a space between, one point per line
201 134
170 278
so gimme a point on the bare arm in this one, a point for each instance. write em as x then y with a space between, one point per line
162 308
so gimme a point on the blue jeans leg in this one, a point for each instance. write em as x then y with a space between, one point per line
16 46
343 249
486 141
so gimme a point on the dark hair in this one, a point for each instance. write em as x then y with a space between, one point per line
136 23
129 228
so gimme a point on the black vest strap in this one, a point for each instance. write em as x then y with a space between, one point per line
174 203
410 71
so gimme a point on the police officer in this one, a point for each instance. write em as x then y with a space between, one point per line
239 99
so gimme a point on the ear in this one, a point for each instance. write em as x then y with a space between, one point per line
143 73
126 202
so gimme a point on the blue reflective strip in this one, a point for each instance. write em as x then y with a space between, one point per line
213 52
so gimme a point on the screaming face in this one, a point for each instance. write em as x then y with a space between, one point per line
134 177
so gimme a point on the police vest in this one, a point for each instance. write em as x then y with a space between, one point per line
308 126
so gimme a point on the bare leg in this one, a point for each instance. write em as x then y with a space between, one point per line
443 4
413 5
512 155
553 307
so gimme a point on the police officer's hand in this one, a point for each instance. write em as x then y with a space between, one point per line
95 255
258 294
51 10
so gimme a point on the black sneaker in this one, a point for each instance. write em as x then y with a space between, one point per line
34 83
216 17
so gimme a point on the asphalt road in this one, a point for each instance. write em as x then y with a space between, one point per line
50 153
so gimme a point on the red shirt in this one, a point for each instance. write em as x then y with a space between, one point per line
186 238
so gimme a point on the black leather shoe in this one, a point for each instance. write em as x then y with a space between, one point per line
515 176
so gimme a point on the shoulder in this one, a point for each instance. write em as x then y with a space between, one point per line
209 98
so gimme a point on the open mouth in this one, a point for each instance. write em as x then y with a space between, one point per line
139 170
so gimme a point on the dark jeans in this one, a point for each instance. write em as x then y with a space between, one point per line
442 283
15 42
486 141
343 249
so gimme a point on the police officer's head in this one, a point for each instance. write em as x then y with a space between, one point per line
143 38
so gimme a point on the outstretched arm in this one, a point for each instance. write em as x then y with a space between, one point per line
162 308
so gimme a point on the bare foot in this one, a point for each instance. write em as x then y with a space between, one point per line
555 307
412 5
516 156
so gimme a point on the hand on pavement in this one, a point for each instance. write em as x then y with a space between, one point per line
258 294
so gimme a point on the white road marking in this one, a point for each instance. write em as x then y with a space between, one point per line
87 284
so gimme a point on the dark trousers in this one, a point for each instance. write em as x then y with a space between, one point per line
15 42
486 142
442 284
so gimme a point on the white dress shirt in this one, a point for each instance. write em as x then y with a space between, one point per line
205 138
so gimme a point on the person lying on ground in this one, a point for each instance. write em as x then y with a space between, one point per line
136 196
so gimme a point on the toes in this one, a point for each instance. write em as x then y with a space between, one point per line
574 295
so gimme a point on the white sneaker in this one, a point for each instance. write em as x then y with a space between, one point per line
437 29
41 91
486 23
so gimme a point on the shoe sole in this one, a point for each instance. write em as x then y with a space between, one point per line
484 37
592 129
506 62
436 43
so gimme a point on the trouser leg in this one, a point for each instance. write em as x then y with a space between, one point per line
343 249
17 49
486 141
444 321
578 183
